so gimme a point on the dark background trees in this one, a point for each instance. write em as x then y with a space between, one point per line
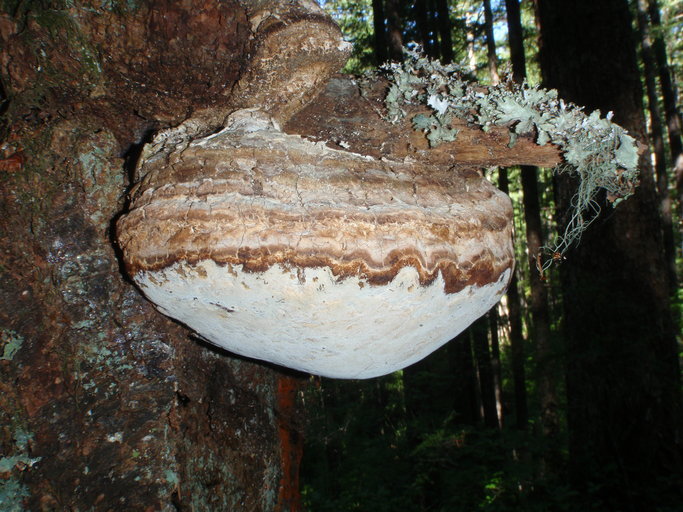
590 402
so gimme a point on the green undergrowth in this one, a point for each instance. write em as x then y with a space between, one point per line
600 153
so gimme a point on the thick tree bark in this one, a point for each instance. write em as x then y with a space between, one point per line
624 404
106 404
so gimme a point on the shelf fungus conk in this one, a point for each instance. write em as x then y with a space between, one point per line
326 261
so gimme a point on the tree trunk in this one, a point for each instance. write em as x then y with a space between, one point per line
443 22
490 42
624 404
482 353
673 118
516 336
466 399
547 371
422 18
378 22
395 31
495 364
516 40
106 404
546 364
657 136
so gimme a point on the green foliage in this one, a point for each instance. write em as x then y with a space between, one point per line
365 452
355 20
601 154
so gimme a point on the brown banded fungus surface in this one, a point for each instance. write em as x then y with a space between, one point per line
341 245
322 260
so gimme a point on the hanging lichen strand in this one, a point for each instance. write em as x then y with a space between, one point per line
599 152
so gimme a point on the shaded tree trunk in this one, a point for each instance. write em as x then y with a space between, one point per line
516 335
495 364
465 397
490 42
422 20
657 137
624 404
480 342
547 371
516 40
673 118
395 31
379 24
443 24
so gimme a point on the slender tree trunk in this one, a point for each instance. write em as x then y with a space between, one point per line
471 56
516 335
380 40
490 42
434 29
624 403
547 371
422 18
465 396
657 136
495 364
673 118
444 27
395 30
482 353
516 40
546 362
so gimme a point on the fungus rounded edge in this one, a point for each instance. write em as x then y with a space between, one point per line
325 261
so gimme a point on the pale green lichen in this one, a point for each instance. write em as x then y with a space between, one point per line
12 492
12 495
599 152
10 342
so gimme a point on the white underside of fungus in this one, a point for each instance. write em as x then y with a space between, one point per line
311 321
325 261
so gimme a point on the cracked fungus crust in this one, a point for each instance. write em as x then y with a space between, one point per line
313 322
326 261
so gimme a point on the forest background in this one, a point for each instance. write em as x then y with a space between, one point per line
567 396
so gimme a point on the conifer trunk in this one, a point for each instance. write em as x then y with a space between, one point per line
379 25
624 403
657 136
673 118
547 371
514 309
490 43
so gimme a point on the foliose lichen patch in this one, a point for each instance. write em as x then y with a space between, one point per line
600 153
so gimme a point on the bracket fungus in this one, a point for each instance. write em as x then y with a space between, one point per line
326 261
342 245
